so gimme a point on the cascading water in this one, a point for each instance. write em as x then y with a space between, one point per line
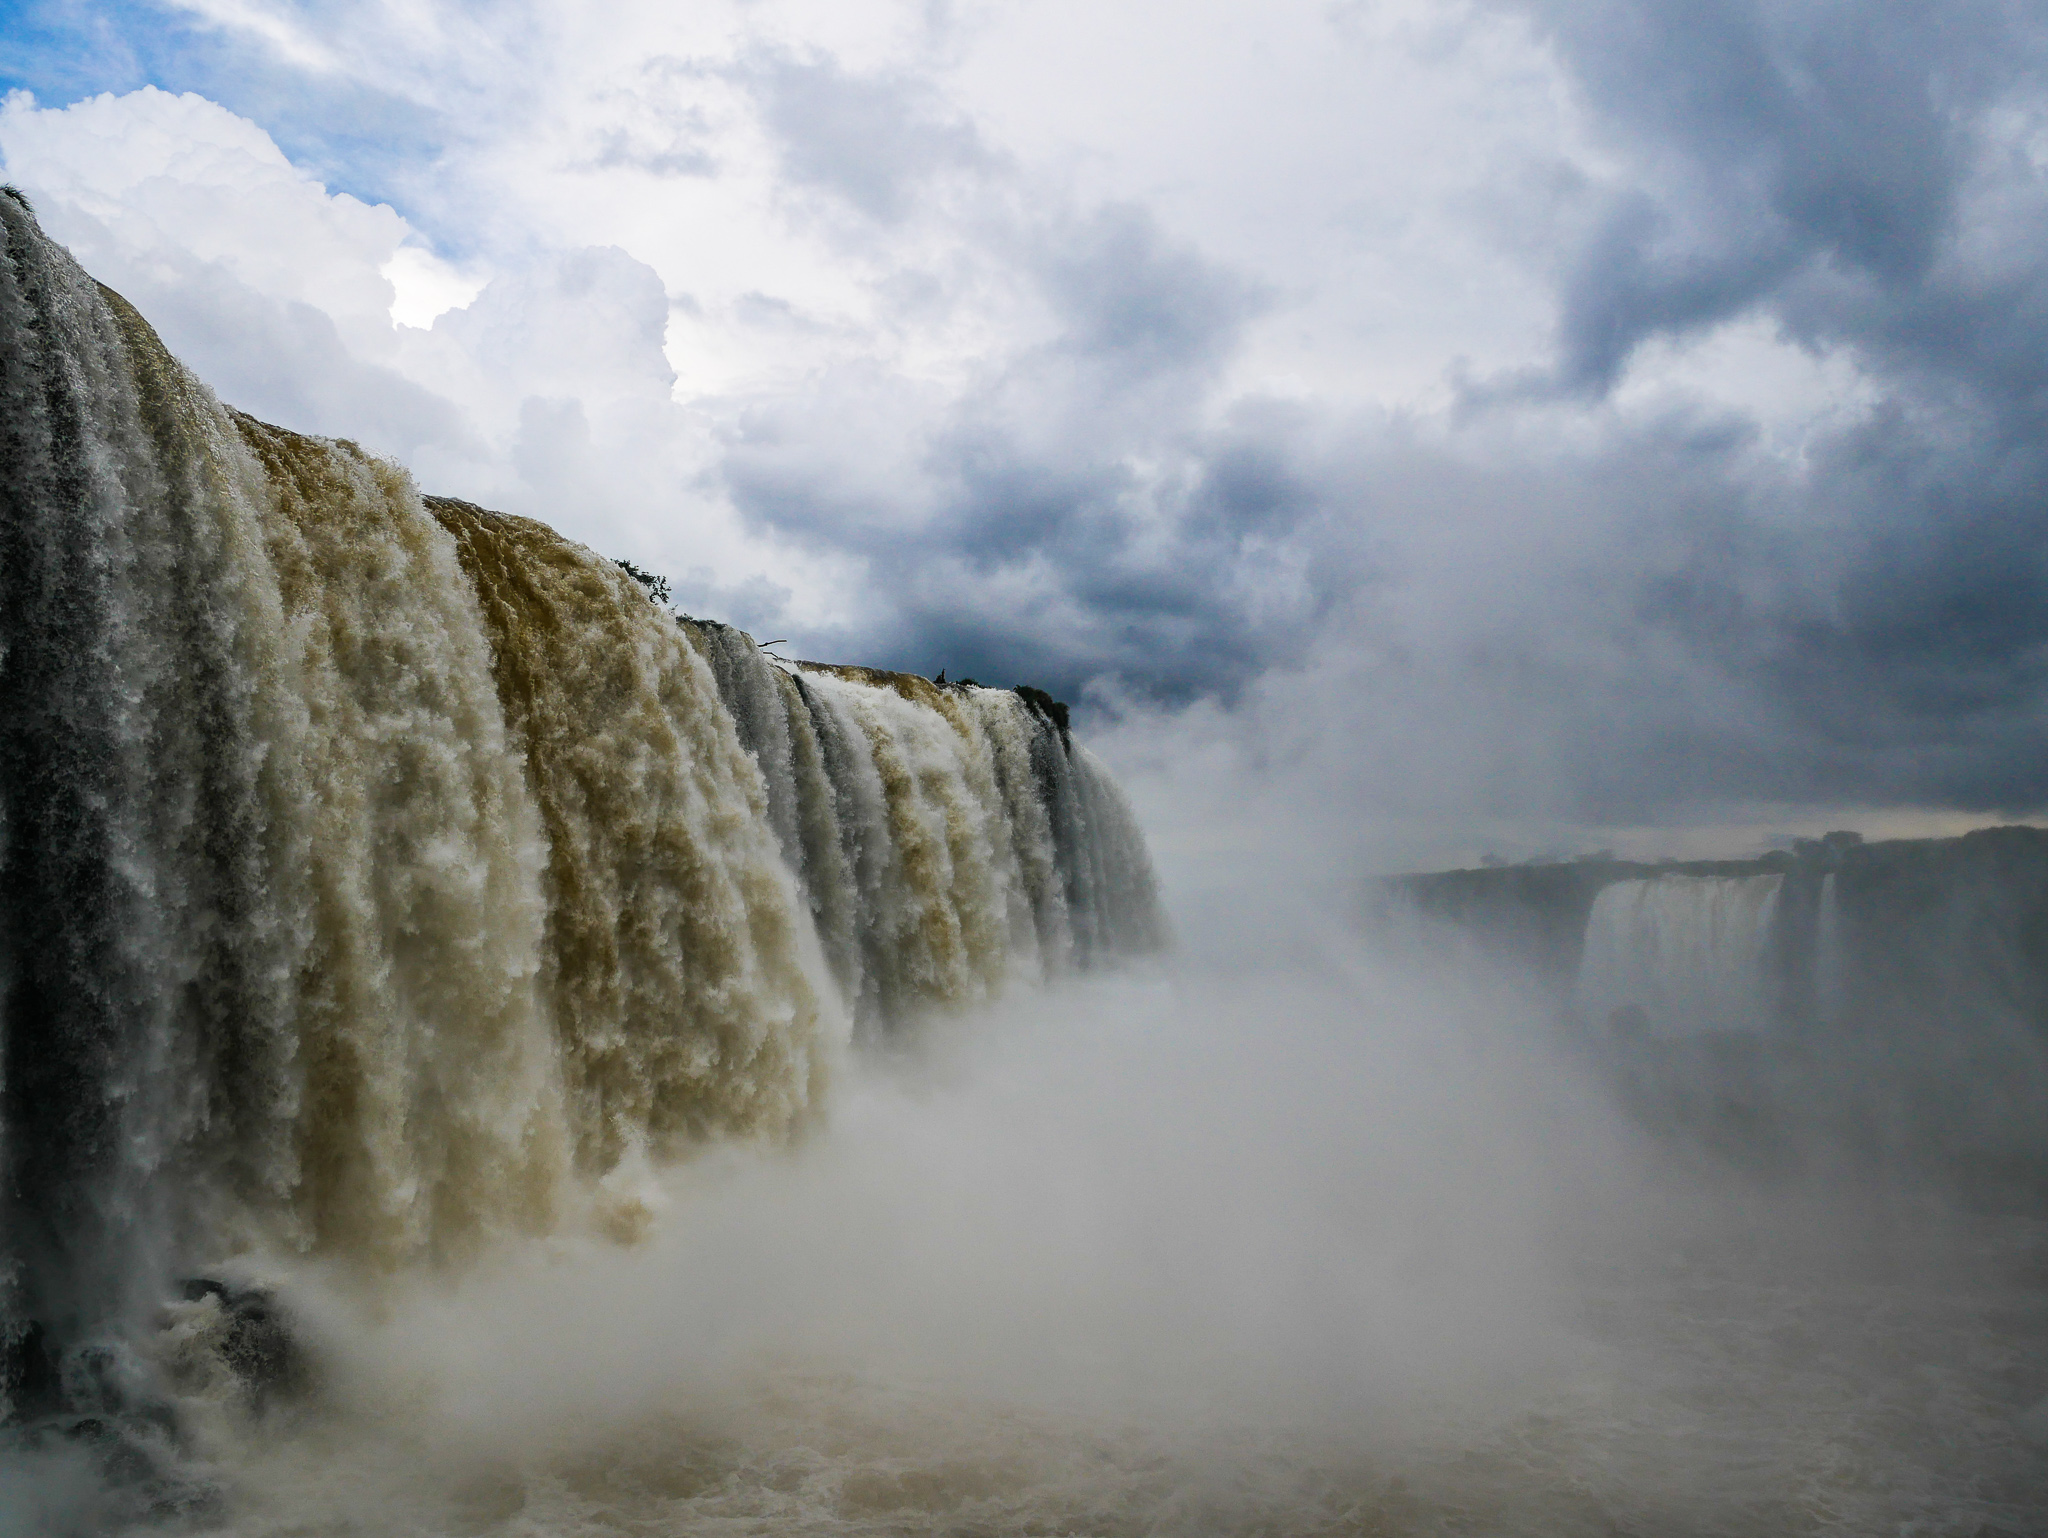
376 873
1679 955
948 836
682 979
1830 959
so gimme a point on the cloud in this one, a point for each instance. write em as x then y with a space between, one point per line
1127 293
1855 178
1042 520
872 139
1812 157
1594 412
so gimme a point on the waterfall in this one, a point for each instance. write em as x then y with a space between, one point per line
1679 955
1830 961
948 837
378 872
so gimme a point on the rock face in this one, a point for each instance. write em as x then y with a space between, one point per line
1889 996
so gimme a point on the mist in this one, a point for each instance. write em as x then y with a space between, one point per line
1593 449
1292 1232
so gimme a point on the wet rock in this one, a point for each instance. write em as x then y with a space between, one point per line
1045 706
29 1378
258 1345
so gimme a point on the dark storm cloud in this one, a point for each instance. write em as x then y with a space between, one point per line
1666 615
1135 303
1862 178
1773 145
1842 172
1063 518
1610 612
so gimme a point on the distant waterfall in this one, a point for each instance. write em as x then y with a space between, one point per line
1679 955
376 872
1830 958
